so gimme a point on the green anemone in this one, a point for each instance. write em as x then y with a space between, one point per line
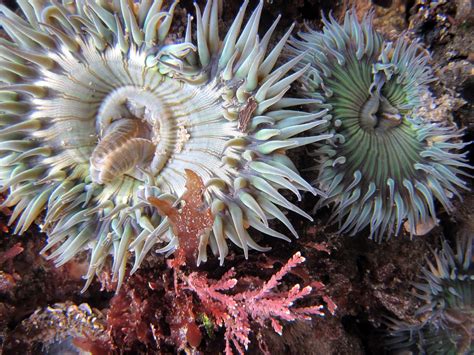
386 163
103 108
447 315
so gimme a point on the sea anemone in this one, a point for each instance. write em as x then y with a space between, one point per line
447 290
102 110
386 163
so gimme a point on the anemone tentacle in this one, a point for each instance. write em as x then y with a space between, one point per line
446 288
100 111
386 164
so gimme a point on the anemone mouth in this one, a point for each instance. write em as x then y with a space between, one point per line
378 114
385 164
134 123
102 111
135 120
372 121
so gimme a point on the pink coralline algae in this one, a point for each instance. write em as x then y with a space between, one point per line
236 311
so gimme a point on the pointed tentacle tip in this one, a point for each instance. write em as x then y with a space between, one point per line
444 288
125 108
380 112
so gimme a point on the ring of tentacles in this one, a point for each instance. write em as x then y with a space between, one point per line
102 109
386 164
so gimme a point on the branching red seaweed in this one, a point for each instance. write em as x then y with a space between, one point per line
240 306
236 311
163 311
131 313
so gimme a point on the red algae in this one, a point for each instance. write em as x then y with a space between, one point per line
8 279
236 311
131 313
11 253
191 221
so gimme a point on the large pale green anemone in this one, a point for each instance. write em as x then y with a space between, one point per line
385 164
447 315
101 110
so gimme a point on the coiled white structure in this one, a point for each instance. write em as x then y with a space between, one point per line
101 111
